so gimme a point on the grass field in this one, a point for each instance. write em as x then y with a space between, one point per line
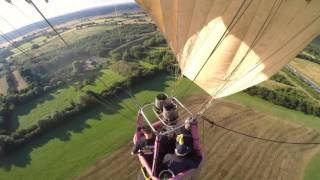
230 156
312 170
27 46
71 149
307 68
3 85
108 78
21 83
68 151
279 111
29 113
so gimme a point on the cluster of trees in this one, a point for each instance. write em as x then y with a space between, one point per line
153 50
5 115
35 46
302 82
54 63
29 93
4 53
281 79
11 142
308 58
287 97
12 82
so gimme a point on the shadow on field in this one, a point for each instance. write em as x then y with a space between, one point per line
27 108
22 157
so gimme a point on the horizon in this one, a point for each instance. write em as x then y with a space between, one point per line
21 14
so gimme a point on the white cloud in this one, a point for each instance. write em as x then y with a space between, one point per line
54 8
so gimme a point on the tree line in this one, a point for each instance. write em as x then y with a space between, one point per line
13 141
287 97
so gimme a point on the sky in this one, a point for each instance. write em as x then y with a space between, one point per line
21 13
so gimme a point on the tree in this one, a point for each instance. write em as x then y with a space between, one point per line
35 46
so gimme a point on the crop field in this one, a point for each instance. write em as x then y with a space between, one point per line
307 68
21 83
69 150
3 85
232 156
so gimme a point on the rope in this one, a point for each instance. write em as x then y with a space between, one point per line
255 137
52 27
12 26
117 16
233 22
256 39
13 44
268 58
116 96
27 16
109 106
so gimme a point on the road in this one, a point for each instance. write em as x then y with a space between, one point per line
303 77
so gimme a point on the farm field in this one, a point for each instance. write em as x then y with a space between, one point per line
27 46
67 151
307 68
21 83
230 156
70 36
3 85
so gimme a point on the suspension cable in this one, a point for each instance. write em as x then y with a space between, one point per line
255 137
12 26
252 45
116 96
24 14
233 22
13 44
107 104
132 98
48 22
269 57
118 29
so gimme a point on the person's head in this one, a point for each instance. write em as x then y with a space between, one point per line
147 131
188 122
182 150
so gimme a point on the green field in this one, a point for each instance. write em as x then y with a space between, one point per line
55 42
279 111
29 113
106 80
312 170
69 150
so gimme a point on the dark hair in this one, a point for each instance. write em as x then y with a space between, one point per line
162 97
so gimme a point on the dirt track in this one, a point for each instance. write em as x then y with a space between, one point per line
229 156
